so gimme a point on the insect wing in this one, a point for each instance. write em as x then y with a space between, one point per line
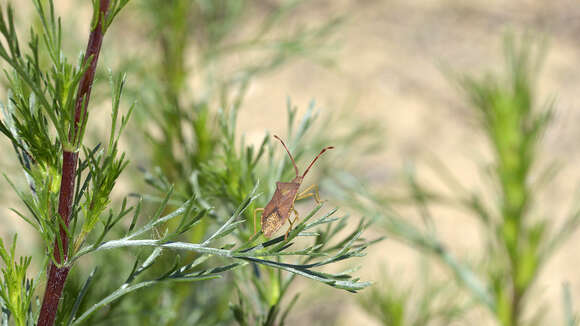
287 191
271 223
278 209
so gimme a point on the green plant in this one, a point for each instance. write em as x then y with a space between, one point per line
192 135
17 290
570 318
517 241
428 301
196 227
180 121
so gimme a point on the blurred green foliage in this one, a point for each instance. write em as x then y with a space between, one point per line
517 242
428 301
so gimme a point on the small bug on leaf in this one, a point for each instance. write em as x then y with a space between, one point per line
278 210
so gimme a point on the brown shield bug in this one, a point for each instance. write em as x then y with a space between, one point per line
278 210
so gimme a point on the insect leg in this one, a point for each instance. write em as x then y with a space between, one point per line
295 217
311 191
255 221
291 222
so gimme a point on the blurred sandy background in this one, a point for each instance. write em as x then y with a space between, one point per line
389 70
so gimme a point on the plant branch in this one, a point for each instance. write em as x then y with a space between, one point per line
57 275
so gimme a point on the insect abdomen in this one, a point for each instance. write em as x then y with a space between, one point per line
271 223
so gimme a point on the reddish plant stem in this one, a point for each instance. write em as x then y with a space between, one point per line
57 275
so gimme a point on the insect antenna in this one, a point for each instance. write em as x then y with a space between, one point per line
293 163
316 158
